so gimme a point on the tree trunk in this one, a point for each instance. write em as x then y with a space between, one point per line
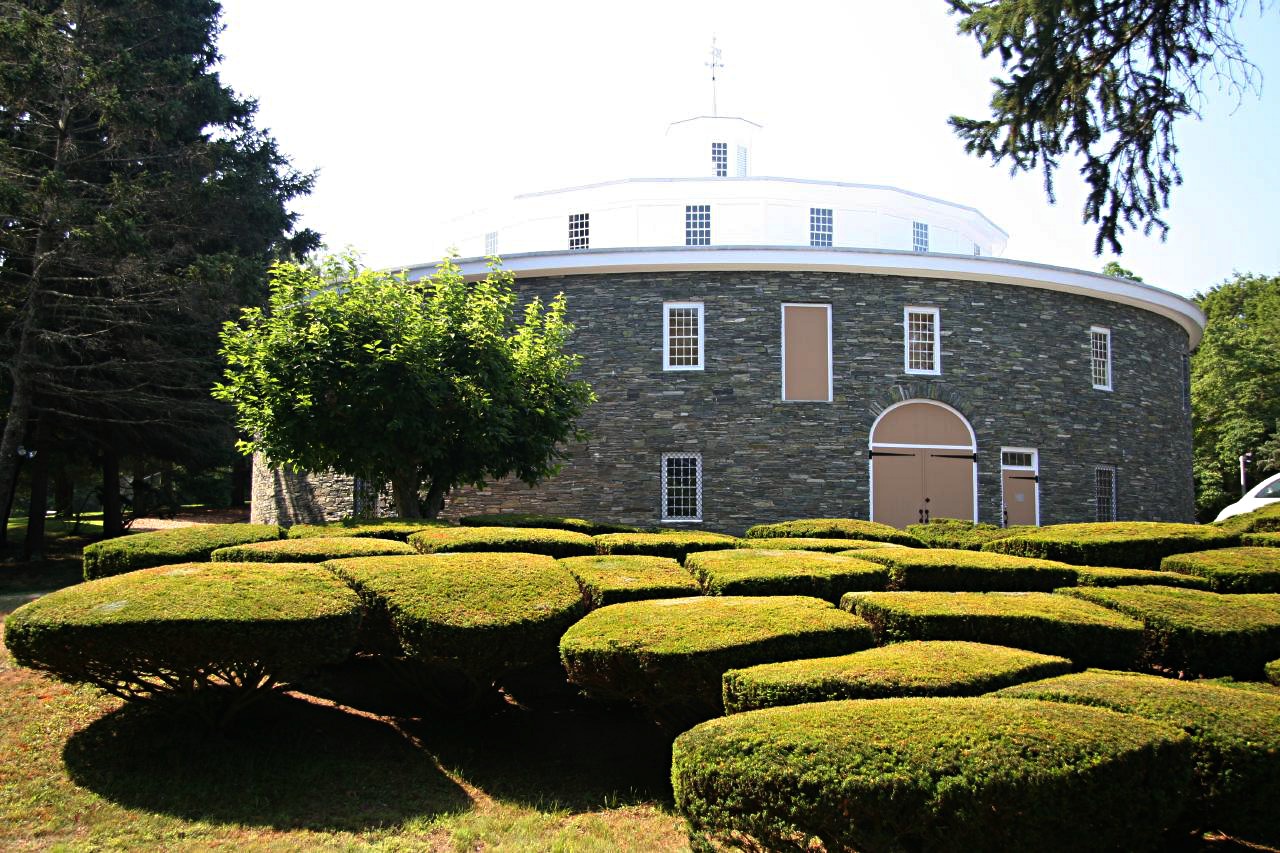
33 547
112 523
435 499
64 491
404 491
14 429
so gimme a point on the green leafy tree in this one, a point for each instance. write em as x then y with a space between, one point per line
1107 80
427 385
1235 387
1114 270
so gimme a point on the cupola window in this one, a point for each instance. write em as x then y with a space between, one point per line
720 159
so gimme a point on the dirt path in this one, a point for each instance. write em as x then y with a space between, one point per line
190 519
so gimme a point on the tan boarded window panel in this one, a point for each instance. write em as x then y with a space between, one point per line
806 356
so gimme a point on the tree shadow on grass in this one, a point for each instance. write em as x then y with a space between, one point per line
288 764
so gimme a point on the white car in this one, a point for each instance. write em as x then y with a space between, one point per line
1266 492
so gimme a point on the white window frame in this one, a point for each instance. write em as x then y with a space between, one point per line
1093 358
822 226
690 211
936 313
697 458
1034 468
1115 501
666 336
830 347
579 229
491 244
742 161
977 250
920 236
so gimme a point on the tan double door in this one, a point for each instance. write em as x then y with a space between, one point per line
922 465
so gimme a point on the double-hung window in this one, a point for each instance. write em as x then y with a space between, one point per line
1100 357
579 230
921 340
697 225
1104 493
821 226
682 336
720 159
681 487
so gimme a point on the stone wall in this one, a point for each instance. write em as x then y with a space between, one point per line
1015 363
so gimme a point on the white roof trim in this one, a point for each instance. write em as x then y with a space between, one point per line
1182 311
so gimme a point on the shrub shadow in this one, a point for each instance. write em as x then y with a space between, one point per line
288 764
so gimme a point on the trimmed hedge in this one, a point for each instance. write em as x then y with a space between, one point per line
760 572
675 544
1124 544
213 635
938 775
668 656
553 522
609 580
1235 734
1198 632
833 528
1272 672
958 570
525 540
902 669
313 550
482 614
1261 540
367 528
1231 569
1089 634
166 547
1105 576
809 543
965 535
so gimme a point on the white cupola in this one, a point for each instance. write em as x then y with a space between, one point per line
710 147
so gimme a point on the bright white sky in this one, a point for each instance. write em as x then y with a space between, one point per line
415 113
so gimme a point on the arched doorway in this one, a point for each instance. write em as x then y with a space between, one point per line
923 464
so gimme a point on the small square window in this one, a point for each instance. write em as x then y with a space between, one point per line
920 236
697 225
720 158
681 487
922 328
491 244
977 250
821 226
1016 459
1104 493
1100 358
742 161
579 230
682 336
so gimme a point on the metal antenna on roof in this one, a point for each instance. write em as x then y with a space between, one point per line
713 65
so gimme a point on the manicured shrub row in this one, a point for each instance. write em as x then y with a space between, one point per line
669 656
1103 576
968 571
748 572
372 528
940 775
554 522
314 550
1235 734
675 544
1197 632
165 547
1231 569
481 614
1125 544
215 635
1272 672
525 540
901 669
954 533
1089 634
833 528
612 579
1261 540
809 543
1262 520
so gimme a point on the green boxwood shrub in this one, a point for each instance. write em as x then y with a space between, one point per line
166 547
1197 632
809 543
940 775
311 550
1272 672
1235 735
675 544
668 656
968 571
554 522
1231 569
215 636
614 579
751 572
370 528
834 528
1261 540
525 540
1262 520
912 668
1107 576
1089 634
1124 544
955 533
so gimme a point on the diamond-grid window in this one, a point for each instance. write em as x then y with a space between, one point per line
720 158
1100 357
922 340
491 244
579 230
681 487
920 236
821 226
697 225
682 336
1104 493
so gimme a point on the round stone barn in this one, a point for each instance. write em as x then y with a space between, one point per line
767 348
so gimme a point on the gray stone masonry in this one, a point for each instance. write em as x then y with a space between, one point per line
1015 363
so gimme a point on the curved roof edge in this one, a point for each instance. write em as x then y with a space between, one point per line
1180 310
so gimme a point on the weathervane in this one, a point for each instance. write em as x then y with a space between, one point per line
713 65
